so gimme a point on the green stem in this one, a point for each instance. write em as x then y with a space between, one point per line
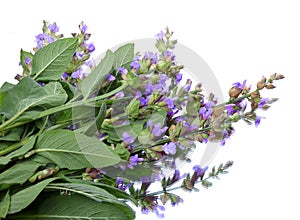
174 188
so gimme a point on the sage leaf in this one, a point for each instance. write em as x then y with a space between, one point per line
4 90
68 149
19 173
77 207
4 204
25 197
51 61
27 93
124 55
19 152
89 191
92 82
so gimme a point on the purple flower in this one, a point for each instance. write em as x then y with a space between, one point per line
160 35
53 27
240 85
121 185
263 102
135 65
169 103
77 74
230 109
64 76
122 70
158 131
91 47
151 56
27 60
169 148
178 77
163 79
187 87
110 78
143 101
134 160
83 28
149 123
168 53
120 94
206 111
257 120
127 138
199 171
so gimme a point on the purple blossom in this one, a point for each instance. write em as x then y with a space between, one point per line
127 138
121 185
120 94
187 87
53 27
257 120
83 28
169 102
134 160
158 130
230 109
168 53
122 70
135 65
149 123
143 101
169 148
178 77
110 78
64 76
160 35
240 85
27 60
91 47
41 38
199 171
263 102
163 78
77 74
151 56
206 111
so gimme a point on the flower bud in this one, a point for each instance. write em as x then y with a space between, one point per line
254 95
163 65
261 84
270 86
234 92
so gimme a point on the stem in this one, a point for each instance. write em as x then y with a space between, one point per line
174 188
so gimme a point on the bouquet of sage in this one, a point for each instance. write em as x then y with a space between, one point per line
85 141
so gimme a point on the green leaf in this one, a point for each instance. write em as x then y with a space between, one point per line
111 189
19 173
89 191
79 208
50 62
96 124
4 204
19 152
25 197
29 94
4 90
92 82
124 55
72 150
13 135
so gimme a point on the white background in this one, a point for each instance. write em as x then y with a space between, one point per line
239 40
